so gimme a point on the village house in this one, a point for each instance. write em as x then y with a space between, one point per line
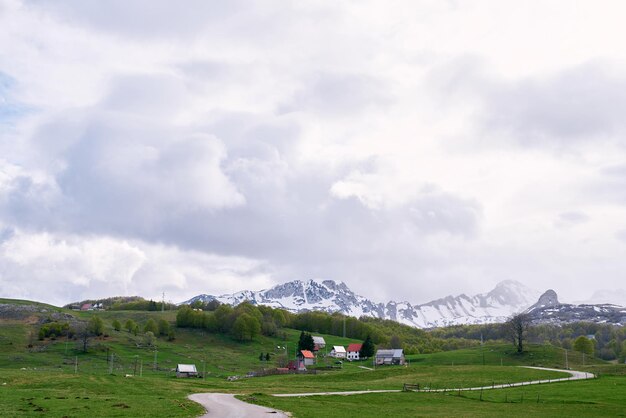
318 343
305 358
186 370
353 351
388 357
338 351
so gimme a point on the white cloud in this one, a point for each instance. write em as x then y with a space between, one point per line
437 145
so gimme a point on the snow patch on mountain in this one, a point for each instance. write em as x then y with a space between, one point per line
507 298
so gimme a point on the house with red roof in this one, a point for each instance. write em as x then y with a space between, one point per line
306 358
353 351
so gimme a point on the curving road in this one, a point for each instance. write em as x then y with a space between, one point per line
574 375
225 405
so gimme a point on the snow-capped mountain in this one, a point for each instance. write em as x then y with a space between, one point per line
549 310
507 298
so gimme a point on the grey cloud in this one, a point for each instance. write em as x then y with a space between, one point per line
329 93
578 104
571 218
583 103
153 18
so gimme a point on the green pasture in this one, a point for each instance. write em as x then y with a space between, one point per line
118 377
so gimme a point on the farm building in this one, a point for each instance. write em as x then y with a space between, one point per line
306 357
338 351
353 351
186 370
319 343
395 356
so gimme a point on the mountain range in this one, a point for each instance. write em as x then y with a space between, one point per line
507 298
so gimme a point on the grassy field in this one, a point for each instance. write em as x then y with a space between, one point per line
54 378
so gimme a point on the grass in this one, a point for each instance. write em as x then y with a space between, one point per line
48 385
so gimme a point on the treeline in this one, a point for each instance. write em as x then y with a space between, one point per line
142 305
609 341
244 322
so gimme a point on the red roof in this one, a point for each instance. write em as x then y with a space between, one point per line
354 347
307 354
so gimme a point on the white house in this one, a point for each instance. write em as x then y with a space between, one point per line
186 370
353 351
338 351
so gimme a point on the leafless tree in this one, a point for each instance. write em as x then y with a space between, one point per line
517 326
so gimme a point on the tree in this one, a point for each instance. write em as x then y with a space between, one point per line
584 345
261 357
267 357
84 335
151 326
164 327
395 342
116 325
130 325
149 338
96 325
306 342
240 328
367 348
517 327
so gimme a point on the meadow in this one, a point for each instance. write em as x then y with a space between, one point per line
118 377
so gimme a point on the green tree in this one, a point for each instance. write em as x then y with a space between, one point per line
116 325
151 326
164 327
246 327
306 342
96 325
149 339
130 325
583 344
367 348
395 342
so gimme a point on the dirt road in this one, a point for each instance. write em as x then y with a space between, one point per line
224 405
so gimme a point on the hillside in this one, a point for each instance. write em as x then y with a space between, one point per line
69 381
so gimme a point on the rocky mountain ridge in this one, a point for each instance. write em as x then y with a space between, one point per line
507 298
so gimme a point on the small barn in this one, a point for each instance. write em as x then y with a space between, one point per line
338 351
388 357
186 370
306 357
353 351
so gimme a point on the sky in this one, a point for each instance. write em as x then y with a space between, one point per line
411 149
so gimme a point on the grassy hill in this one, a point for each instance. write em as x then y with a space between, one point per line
117 376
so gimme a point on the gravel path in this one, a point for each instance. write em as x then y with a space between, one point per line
224 405
574 375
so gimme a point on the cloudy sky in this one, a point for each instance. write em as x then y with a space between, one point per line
410 149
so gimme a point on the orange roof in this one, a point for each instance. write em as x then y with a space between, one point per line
307 354
355 347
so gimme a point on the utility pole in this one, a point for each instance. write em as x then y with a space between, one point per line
135 370
141 368
566 364
163 303
155 358
75 364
